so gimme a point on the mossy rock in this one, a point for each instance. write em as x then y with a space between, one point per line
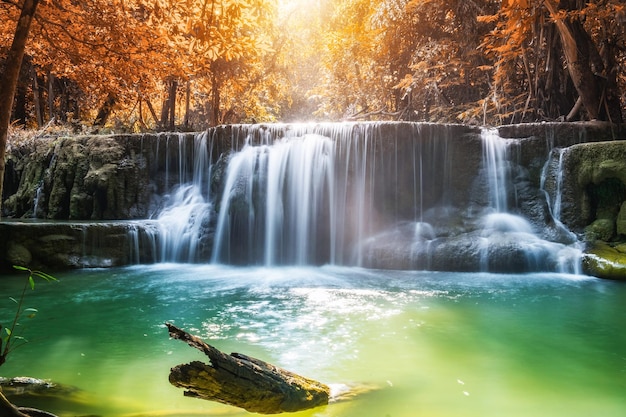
605 261
601 229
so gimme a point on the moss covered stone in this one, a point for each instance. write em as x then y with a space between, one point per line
601 229
605 261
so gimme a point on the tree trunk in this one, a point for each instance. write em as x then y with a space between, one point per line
51 95
105 111
244 382
215 101
578 51
8 78
152 112
37 98
165 111
608 52
172 105
168 111
21 93
187 103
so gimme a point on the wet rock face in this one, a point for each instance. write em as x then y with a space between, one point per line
594 184
64 245
83 178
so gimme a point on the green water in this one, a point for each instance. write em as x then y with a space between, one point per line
422 343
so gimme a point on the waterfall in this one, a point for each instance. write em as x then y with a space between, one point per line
313 194
554 201
277 199
179 232
569 259
506 229
496 165
38 193
398 195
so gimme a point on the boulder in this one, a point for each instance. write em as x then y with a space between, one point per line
594 183
604 261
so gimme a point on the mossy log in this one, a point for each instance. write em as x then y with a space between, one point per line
244 382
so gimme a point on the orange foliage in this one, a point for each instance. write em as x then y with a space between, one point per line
484 61
127 49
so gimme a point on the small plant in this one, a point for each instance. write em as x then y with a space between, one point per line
8 337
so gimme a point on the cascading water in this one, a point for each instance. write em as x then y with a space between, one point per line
278 198
180 230
496 168
351 194
36 199
503 228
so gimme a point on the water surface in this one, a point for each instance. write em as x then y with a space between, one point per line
422 343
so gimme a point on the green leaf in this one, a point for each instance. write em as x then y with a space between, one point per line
14 300
45 276
8 331
20 268
31 280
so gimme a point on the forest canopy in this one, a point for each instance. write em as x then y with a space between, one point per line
168 64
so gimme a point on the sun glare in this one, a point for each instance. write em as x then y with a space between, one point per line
286 7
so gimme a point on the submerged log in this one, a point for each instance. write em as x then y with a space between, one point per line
243 381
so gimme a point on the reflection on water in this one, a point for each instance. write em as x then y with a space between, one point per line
431 344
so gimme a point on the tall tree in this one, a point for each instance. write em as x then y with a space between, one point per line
9 77
584 63
550 55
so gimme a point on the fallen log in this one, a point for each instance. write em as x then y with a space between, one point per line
243 381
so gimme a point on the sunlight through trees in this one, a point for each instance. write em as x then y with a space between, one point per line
165 64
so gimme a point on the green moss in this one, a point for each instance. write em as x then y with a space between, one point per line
604 261
606 197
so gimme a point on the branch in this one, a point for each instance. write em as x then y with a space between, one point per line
9 410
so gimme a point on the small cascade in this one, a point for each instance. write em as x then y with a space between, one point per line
134 255
180 231
39 191
554 201
497 169
37 198
569 259
183 224
506 234
556 210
